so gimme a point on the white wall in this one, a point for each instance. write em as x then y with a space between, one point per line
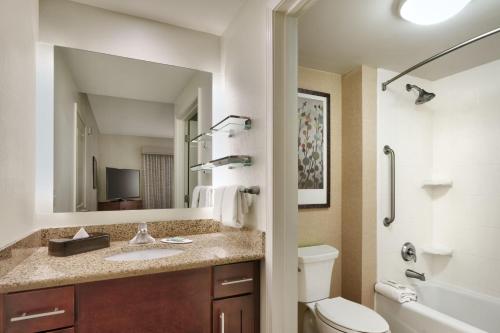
66 94
70 24
124 152
407 128
18 33
466 149
245 94
124 116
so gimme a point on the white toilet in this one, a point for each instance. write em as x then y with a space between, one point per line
330 315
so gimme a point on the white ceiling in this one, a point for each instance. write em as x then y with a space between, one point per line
128 96
120 116
211 16
338 35
102 74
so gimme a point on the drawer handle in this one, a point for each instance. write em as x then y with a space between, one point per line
222 322
230 282
26 316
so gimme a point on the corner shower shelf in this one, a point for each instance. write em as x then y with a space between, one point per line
232 162
230 125
437 250
437 182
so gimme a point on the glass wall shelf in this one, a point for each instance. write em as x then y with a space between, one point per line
232 162
229 125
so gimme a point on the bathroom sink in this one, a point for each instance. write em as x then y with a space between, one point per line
144 255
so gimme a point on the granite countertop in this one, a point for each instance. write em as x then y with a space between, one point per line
40 270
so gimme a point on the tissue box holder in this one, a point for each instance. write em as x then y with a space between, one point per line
64 247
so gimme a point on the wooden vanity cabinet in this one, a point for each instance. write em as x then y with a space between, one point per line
219 299
175 302
236 292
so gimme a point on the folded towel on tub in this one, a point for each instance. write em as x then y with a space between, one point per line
395 291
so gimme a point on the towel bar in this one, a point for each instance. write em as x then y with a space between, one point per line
251 190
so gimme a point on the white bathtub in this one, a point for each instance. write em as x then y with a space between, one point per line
442 309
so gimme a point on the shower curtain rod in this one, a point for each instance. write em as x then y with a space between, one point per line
439 55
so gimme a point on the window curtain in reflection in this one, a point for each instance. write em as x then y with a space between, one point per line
158 171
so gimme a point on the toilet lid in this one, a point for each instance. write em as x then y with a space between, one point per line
350 316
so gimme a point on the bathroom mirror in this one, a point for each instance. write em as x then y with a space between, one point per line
123 130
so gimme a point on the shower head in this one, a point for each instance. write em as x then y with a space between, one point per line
423 96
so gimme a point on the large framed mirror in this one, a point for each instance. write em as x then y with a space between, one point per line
122 131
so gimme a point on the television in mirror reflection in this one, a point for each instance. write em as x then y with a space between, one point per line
120 127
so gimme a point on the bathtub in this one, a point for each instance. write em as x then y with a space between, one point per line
442 309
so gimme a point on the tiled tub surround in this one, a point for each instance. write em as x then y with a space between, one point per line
211 246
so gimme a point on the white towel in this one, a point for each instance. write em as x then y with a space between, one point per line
229 214
209 196
395 291
235 205
218 194
195 199
203 197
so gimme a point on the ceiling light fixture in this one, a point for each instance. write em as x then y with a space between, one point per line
427 12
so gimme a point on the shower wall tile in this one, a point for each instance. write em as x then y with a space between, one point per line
456 136
466 148
407 128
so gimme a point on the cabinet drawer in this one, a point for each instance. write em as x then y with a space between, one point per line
234 279
63 330
40 310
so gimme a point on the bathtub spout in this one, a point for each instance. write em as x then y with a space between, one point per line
415 275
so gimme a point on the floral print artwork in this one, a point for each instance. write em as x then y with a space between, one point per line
311 141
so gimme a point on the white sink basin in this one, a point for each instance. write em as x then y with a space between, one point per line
144 254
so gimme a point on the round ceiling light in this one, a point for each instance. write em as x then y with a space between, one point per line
427 12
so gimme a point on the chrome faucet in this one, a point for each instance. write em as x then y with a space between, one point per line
415 275
142 236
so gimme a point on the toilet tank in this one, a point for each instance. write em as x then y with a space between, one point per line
315 272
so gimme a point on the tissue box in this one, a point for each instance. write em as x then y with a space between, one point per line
64 247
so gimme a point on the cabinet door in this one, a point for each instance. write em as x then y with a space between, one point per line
234 315
176 302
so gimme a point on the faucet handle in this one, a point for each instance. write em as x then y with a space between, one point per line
408 252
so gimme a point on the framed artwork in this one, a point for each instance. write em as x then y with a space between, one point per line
313 149
94 172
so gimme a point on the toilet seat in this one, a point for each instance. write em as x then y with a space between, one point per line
350 317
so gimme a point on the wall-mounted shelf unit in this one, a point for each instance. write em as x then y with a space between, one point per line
437 250
232 162
437 182
231 125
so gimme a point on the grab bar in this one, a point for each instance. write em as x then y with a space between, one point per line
388 151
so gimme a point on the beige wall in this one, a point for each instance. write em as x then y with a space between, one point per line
124 152
18 33
359 210
324 225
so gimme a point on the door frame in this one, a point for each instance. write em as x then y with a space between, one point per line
282 216
193 110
